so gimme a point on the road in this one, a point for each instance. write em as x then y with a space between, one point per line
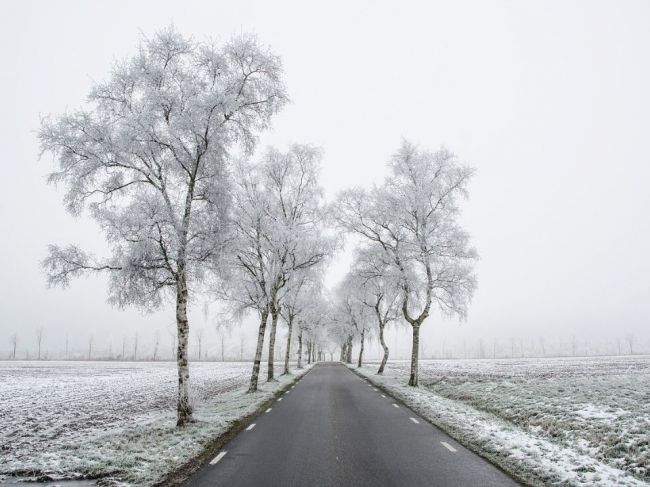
334 429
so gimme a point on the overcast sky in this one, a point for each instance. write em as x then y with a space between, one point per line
550 101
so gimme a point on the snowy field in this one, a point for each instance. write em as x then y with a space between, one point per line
560 421
114 419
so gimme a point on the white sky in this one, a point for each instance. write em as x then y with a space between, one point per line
550 101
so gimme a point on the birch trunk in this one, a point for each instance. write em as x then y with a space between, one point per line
385 347
258 351
363 333
348 351
343 353
274 326
183 407
413 379
300 349
308 353
287 354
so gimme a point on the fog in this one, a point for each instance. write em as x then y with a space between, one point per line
548 100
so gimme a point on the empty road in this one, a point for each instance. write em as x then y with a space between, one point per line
334 429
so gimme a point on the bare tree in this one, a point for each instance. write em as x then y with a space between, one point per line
135 346
150 160
199 341
39 340
90 346
14 343
156 343
222 327
630 342
412 218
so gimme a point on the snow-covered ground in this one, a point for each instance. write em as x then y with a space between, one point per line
549 421
115 419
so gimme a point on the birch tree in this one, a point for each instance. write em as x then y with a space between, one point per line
301 304
277 233
149 158
378 290
412 218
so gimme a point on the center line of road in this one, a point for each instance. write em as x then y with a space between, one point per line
395 405
218 457
268 410
250 427
414 420
448 446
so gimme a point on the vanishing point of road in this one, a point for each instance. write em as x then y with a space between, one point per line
333 428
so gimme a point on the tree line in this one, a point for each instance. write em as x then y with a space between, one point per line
163 158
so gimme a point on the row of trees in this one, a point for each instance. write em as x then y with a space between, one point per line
412 255
160 158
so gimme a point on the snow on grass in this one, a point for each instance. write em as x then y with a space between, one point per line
115 420
561 421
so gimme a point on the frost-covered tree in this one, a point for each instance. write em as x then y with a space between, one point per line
376 287
412 218
277 234
301 304
149 158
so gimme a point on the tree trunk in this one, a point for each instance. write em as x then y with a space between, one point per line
413 379
363 334
343 352
274 326
287 353
385 347
183 407
300 349
308 353
258 351
348 350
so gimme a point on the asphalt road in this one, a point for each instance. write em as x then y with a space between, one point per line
334 429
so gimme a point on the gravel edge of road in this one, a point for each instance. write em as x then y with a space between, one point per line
182 474
525 481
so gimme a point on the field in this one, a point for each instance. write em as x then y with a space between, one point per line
560 421
114 420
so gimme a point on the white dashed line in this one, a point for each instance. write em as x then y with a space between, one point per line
250 427
279 399
395 405
448 446
374 389
383 396
269 410
414 420
218 457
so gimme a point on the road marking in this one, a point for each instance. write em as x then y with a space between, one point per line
448 446
279 399
269 410
293 387
250 427
374 389
383 396
287 392
218 457
395 405
414 420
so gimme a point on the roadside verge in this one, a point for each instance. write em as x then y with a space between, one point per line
528 458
